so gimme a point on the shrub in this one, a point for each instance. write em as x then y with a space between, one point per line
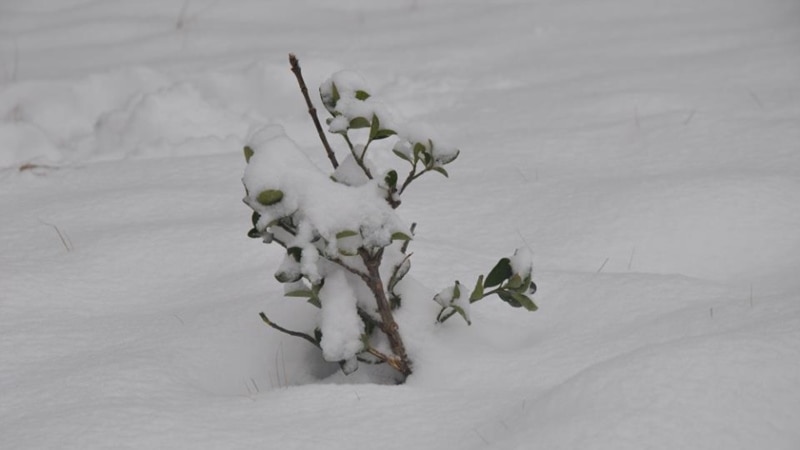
346 249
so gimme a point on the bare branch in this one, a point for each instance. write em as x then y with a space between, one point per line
289 332
311 110
400 359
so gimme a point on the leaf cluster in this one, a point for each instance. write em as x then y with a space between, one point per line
513 288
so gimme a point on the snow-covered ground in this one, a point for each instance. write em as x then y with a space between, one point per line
648 152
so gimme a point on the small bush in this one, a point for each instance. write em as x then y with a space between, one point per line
346 249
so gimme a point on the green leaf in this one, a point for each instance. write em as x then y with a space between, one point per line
400 271
508 298
419 149
346 233
318 335
330 102
457 290
359 122
248 153
461 313
295 252
427 159
362 95
515 283
477 293
526 284
402 155
391 179
449 158
270 197
400 236
499 273
285 277
524 300
253 233
383 134
335 93
300 293
374 127
441 171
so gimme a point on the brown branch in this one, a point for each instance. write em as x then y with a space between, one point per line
311 110
393 361
400 359
289 332
339 262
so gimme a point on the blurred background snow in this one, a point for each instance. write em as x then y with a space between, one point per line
647 152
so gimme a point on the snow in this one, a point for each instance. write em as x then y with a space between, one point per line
456 297
521 262
319 205
340 325
645 154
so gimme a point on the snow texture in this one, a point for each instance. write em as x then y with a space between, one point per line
521 262
645 151
340 325
319 205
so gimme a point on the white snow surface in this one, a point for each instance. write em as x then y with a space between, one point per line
645 152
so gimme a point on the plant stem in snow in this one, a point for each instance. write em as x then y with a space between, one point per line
399 360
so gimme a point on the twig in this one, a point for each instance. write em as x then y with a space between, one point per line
346 267
755 98
630 261
412 175
289 332
603 265
480 436
311 110
689 119
31 167
254 384
65 241
524 241
395 362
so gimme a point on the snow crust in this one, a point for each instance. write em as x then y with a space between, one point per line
646 152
